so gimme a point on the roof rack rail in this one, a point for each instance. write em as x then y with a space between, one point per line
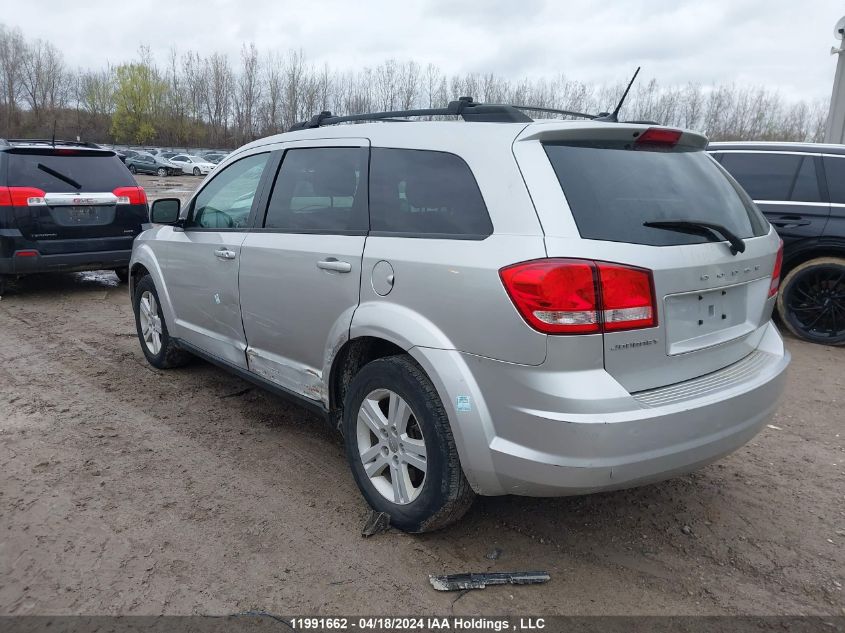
464 107
49 141
556 111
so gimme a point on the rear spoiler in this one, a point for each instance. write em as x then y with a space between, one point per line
602 132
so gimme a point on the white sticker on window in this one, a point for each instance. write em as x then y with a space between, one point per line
217 298
463 404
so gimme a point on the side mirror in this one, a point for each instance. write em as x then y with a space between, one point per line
165 211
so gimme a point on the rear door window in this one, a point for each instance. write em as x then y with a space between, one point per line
834 168
766 176
418 193
321 189
612 189
76 171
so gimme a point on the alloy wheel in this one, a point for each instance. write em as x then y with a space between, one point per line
816 302
391 446
150 322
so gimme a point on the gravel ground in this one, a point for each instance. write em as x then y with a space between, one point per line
130 490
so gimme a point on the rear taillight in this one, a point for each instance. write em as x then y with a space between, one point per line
659 136
130 195
627 297
26 253
574 296
21 197
773 287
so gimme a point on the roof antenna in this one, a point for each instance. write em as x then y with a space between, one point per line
613 117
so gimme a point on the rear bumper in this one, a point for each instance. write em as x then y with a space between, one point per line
537 433
66 262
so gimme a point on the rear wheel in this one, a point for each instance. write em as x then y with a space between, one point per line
4 285
811 302
400 446
132 169
196 171
162 172
159 348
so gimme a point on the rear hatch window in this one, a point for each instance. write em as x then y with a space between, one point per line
71 171
613 188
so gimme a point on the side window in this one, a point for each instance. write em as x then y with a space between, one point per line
320 189
425 193
225 202
806 188
764 176
834 169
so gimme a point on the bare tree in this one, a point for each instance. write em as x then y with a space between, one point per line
43 80
12 49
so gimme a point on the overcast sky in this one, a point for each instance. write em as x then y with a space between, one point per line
784 44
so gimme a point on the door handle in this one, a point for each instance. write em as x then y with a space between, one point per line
225 253
789 221
332 263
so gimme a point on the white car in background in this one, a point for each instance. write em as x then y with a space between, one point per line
191 164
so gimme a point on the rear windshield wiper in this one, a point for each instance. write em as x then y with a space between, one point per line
60 176
697 226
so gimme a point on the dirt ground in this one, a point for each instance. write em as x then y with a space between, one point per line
127 490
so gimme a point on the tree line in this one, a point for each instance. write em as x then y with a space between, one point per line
208 100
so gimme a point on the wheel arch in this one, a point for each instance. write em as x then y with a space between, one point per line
349 359
143 263
796 254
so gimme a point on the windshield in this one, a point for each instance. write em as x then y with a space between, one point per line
613 188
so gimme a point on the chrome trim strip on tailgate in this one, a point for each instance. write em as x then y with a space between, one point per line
77 199
739 372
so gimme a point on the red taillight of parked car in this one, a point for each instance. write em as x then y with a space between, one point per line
20 196
130 195
576 296
773 287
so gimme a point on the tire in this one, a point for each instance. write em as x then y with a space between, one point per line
811 302
122 274
429 499
4 285
197 171
166 354
132 169
162 172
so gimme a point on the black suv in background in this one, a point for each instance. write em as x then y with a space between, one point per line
801 189
65 206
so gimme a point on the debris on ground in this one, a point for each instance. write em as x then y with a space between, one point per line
459 582
687 530
774 427
376 524
494 554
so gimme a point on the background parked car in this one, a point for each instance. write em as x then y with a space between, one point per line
65 206
215 156
191 164
146 163
800 187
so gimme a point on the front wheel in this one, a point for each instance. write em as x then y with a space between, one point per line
811 302
400 446
162 172
159 348
132 169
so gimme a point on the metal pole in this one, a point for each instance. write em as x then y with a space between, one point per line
835 132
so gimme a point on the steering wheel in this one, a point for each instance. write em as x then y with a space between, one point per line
212 218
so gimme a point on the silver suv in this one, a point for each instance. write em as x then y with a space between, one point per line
489 306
